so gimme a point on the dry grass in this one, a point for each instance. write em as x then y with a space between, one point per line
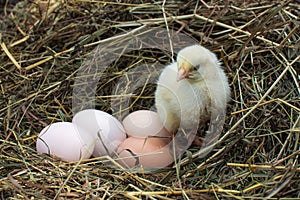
44 43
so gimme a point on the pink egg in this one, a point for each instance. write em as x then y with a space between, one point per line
146 153
66 141
107 131
144 123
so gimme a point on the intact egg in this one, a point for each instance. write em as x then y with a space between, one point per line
65 140
145 153
106 130
144 123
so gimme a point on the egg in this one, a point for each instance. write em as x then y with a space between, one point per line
65 140
144 123
106 130
145 153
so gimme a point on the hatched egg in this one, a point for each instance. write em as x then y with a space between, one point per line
65 140
106 130
144 123
144 152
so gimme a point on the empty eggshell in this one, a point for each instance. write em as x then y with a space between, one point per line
145 153
106 130
65 140
144 123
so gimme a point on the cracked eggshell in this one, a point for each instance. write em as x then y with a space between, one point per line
106 130
66 141
145 153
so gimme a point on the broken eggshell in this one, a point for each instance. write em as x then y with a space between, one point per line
144 153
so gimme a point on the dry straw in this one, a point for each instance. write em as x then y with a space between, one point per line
43 44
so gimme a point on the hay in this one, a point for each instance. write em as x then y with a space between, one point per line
44 43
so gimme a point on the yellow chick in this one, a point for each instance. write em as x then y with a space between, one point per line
190 89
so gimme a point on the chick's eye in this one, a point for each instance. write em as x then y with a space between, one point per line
196 67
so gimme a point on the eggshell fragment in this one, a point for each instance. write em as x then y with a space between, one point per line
65 140
146 153
106 130
144 123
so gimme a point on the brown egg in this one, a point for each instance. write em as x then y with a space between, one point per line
145 152
144 123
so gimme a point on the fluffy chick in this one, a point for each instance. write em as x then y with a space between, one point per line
190 89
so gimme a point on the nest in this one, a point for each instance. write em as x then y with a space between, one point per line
45 44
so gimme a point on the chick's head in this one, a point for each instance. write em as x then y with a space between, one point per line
191 60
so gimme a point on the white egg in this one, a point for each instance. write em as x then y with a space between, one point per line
65 140
107 131
144 123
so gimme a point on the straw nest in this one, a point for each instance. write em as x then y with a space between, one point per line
44 45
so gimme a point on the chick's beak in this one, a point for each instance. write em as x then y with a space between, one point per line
182 73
